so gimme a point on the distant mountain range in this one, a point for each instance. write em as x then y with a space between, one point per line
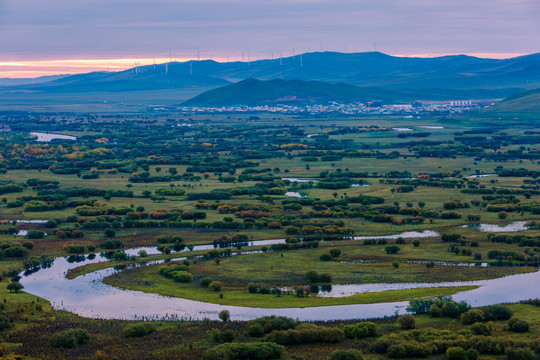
372 69
325 76
253 92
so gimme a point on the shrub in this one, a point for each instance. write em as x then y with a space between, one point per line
480 329
450 215
335 252
472 354
109 233
15 251
361 330
396 351
435 311
351 354
238 351
69 338
119 256
35 234
407 322
497 312
111 244
380 346
520 354
325 257
75 249
456 353
182 277
205 282
138 330
215 285
306 334
312 276
518 325
472 316
4 322
222 336
259 327
28 245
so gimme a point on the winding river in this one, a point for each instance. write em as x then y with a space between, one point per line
88 296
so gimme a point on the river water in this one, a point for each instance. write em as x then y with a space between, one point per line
88 296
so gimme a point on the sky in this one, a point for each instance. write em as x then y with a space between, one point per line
45 37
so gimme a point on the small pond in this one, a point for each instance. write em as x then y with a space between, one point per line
46 137
514 226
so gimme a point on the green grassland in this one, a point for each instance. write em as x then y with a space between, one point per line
231 135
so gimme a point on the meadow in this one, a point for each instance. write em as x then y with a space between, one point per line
143 179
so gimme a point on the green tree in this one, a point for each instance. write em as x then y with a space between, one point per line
224 315
15 287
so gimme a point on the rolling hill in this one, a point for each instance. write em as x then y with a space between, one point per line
522 104
253 92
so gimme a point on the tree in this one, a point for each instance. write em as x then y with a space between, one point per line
166 250
15 287
224 315
173 171
392 249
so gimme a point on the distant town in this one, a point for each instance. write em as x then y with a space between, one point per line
370 108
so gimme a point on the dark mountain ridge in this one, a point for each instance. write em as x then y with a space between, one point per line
253 92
